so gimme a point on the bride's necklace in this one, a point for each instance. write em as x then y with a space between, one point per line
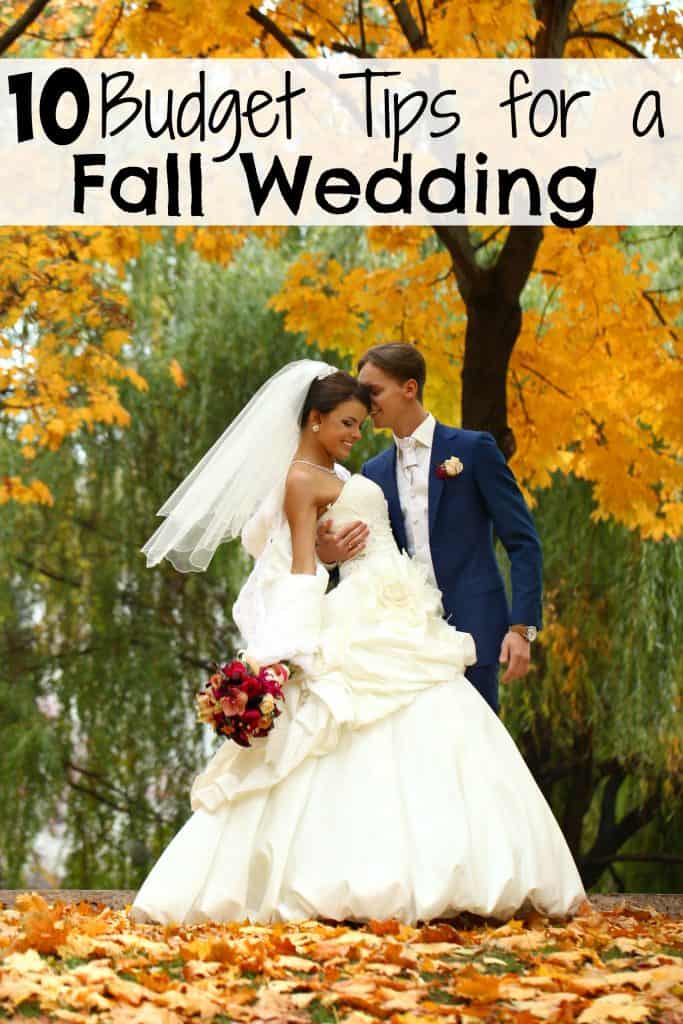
316 465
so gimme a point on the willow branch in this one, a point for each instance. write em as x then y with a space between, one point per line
49 573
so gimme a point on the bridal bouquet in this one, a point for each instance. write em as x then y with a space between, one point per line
239 700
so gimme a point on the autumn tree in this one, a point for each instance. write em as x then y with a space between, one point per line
558 342
565 344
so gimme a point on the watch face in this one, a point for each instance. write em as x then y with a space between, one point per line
531 633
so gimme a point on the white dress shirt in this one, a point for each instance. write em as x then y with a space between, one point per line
412 478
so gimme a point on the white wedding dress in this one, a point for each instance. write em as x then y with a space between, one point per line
387 788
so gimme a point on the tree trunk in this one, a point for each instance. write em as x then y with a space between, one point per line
552 35
493 326
494 319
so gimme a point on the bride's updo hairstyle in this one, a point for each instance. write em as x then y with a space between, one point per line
326 393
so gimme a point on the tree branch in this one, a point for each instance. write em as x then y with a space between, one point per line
276 32
457 241
516 259
489 238
582 33
49 573
361 26
612 834
638 858
58 39
423 21
21 24
353 50
110 33
129 807
410 28
647 295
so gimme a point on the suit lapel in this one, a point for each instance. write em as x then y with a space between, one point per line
390 488
442 438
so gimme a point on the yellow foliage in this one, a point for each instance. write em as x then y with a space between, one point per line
55 286
12 488
595 377
450 28
176 371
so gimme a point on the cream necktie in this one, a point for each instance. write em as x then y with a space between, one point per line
407 447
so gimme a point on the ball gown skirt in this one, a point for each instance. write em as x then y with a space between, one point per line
387 788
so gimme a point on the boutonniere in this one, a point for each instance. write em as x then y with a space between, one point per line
451 467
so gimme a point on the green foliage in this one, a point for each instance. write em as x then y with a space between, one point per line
118 649
600 719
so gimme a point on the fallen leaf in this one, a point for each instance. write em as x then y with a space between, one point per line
618 1006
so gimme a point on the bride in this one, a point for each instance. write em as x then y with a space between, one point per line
388 787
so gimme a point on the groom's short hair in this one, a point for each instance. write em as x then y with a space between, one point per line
398 360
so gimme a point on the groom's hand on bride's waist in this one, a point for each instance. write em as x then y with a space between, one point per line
333 547
515 652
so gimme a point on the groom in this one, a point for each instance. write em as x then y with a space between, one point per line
448 490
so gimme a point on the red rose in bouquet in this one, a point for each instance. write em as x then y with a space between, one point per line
239 700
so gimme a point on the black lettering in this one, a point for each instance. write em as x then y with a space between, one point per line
61 81
584 205
196 197
350 187
456 203
254 104
399 104
232 111
21 87
166 124
200 96
118 100
368 75
404 201
559 108
482 183
513 98
506 181
173 185
287 97
444 113
656 117
540 133
82 180
291 192
149 178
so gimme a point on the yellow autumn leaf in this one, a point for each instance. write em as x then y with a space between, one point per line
617 1007
176 371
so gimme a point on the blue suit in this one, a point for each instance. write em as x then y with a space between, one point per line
464 511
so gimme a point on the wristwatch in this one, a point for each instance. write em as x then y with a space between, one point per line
528 632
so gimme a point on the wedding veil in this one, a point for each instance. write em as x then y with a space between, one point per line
246 465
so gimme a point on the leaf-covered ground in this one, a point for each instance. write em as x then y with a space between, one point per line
78 963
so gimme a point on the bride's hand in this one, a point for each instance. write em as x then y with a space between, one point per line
339 547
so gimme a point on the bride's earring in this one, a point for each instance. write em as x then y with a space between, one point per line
316 428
